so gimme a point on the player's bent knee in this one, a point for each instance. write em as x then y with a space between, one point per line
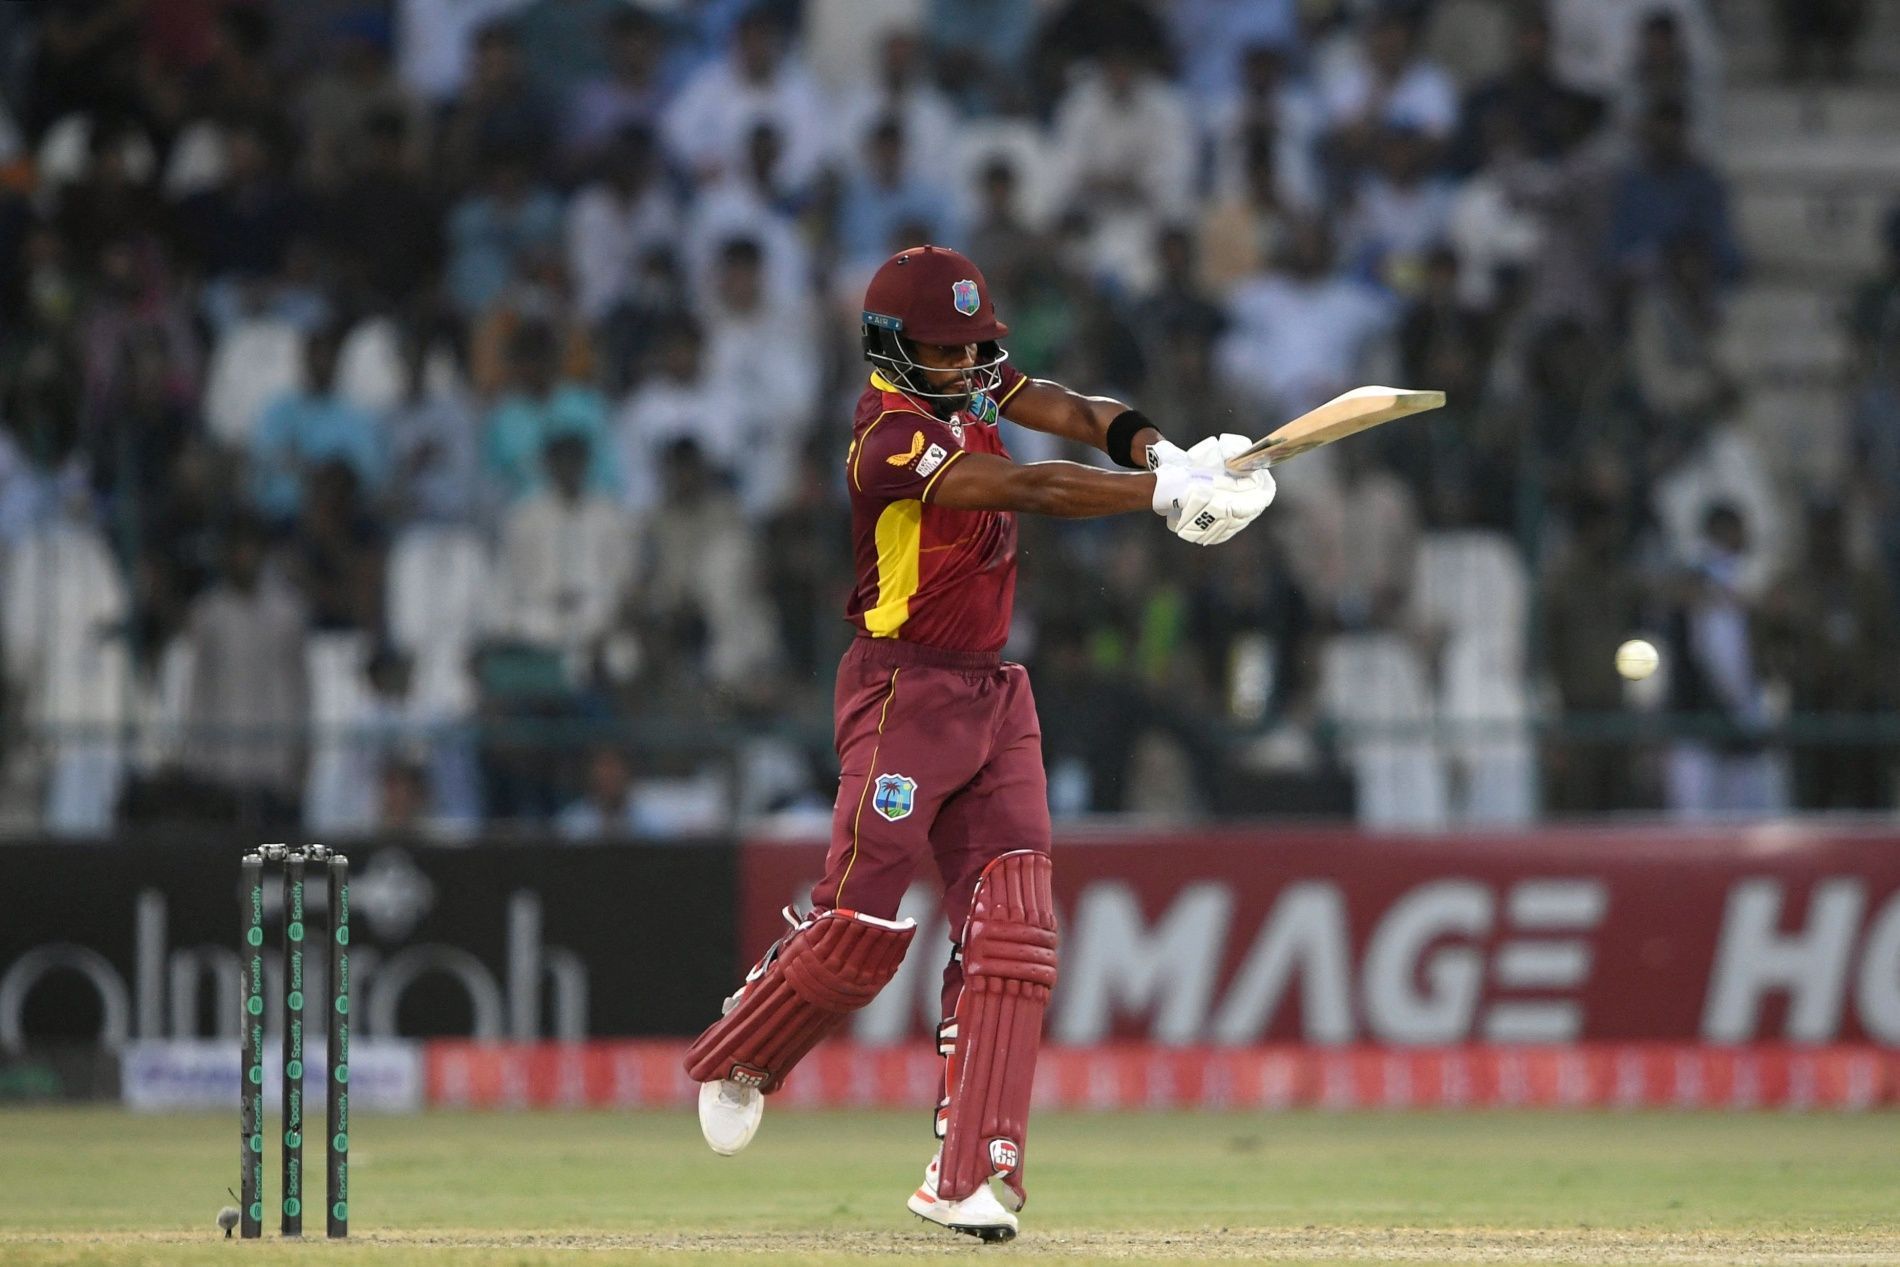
824 971
845 958
1012 929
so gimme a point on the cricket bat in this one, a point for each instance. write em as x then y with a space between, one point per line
1338 418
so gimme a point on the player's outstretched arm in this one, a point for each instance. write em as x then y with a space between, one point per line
1124 434
1052 408
1203 504
1066 490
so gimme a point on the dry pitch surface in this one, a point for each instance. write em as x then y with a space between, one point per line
85 1187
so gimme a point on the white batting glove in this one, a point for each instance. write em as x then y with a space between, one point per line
1205 505
1182 489
1215 450
1212 451
1252 496
1166 453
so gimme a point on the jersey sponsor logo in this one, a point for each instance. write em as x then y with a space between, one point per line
905 459
964 295
932 459
1003 1156
895 796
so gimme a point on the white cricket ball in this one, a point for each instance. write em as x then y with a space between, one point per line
1637 659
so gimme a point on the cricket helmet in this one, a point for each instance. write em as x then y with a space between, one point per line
932 294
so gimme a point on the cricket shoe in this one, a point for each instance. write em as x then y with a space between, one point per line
980 1214
729 1114
729 1111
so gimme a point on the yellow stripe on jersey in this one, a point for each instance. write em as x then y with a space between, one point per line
1013 389
900 537
884 384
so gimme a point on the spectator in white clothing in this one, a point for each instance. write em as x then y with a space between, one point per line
249 701
1297 334
1267 101
903 92
710 124
63 615
567 559
676 400
767 354
1127 147
256 359
1496 221
1400 211
705 597
434 442
759 206
615 221
884 194
1384 83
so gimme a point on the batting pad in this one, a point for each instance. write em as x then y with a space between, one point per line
1009 968
822 972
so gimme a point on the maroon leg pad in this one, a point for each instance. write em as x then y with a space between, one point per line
1009 968
823 972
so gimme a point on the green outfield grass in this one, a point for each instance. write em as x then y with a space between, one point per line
95 1186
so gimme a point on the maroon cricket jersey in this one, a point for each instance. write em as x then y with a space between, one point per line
925 573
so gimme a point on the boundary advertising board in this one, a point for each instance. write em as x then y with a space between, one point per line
1335 938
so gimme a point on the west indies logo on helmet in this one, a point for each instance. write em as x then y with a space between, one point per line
932 295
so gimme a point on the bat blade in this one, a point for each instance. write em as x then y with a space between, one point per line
1343 415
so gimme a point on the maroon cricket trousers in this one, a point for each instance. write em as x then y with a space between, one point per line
940 756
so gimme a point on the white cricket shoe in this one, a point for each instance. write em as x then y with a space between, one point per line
980 1214
729 1114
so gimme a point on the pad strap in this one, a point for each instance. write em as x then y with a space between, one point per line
947 1048
820 974
1009 968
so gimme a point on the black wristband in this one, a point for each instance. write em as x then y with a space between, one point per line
1120 441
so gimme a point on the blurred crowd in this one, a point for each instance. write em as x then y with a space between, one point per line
424 414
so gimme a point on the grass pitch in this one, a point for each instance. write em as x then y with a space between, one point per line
104 1187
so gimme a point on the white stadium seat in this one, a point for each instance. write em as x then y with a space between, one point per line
1472 582
340 789
438 587
1376 680
64 605
1487 713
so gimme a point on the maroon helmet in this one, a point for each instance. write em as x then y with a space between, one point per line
931 294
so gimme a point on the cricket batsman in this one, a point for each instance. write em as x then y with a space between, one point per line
938 743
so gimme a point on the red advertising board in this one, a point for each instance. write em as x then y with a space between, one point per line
1324 938
650 1073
